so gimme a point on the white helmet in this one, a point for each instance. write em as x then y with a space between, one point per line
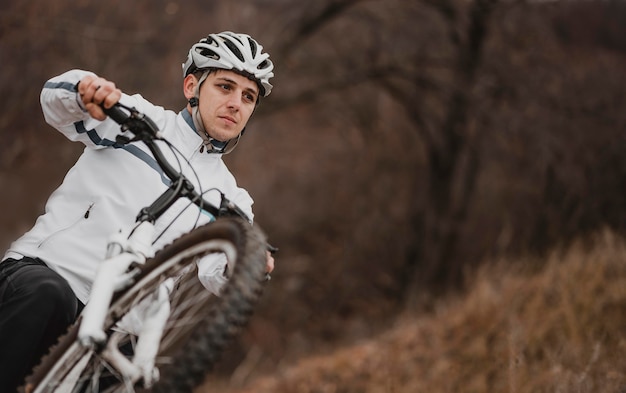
230 51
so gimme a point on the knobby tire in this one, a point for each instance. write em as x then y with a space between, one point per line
200 325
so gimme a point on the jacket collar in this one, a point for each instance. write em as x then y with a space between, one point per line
189 120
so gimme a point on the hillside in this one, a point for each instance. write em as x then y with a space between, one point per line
560 329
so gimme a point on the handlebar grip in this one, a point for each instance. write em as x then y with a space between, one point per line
116 113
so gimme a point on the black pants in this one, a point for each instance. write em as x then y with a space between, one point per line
36 307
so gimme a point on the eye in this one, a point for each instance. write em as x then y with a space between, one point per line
224 86
249 97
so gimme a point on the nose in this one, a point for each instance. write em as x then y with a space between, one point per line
234 100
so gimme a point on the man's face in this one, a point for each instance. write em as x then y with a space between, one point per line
227 101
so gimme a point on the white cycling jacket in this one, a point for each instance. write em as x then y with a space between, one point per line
109 184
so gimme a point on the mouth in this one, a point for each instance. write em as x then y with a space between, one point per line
228 119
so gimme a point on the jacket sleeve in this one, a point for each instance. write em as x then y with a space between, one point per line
63 110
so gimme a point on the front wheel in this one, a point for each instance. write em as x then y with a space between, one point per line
199 326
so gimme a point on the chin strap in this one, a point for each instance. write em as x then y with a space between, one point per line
211 145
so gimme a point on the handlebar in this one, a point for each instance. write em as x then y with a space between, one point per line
116 113
130 119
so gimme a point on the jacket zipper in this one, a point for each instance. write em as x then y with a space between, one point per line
56 233
87 212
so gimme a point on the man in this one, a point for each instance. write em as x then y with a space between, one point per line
46 275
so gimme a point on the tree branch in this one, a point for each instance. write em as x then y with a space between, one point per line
313 23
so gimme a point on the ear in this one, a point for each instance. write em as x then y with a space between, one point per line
189 86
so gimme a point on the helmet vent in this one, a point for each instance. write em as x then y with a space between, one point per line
252 44
234 36
209 41
234 49
208 53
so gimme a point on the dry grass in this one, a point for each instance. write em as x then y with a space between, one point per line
561 328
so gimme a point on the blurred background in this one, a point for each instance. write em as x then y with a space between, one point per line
405 143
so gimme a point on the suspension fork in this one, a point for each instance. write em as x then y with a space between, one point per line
113 274
142 366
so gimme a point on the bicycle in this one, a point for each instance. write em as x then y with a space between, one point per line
177 341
